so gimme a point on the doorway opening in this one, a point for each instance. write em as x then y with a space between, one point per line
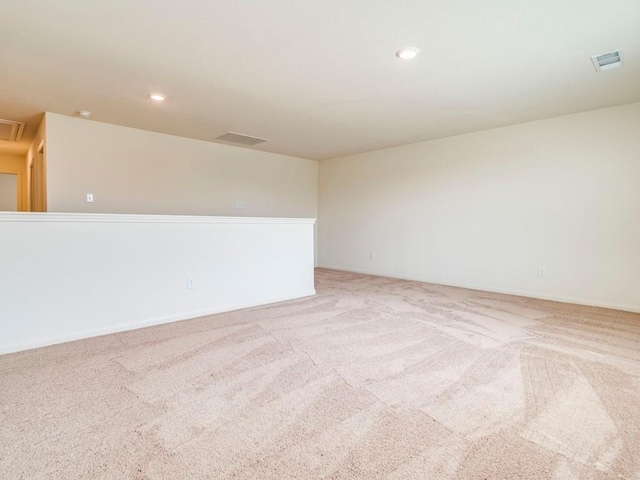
9 192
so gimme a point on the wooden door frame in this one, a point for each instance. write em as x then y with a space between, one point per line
39 184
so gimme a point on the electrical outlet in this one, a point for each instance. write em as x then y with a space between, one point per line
240 205
542 271
89 197
191 281
372 256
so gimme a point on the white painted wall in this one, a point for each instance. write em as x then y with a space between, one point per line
70 276
136 171
129 170
485 210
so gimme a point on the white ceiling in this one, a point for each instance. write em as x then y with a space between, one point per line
317 77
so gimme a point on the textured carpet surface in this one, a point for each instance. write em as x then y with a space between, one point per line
371 378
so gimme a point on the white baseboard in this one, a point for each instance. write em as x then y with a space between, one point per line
520 293
45 342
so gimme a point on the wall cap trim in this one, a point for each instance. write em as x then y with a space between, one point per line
134 218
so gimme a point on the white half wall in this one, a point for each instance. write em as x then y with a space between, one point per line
70 276
486 210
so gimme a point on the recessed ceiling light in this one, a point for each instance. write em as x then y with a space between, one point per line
158 97
407 53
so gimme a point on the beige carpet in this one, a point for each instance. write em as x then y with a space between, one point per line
371 378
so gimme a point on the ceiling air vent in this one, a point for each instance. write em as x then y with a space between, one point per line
607 61
241 139
11 131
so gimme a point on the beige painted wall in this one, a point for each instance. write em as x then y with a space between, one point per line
487 209
17 165
137 171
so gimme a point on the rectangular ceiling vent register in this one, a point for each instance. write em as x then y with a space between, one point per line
607 61
11 131
241 139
